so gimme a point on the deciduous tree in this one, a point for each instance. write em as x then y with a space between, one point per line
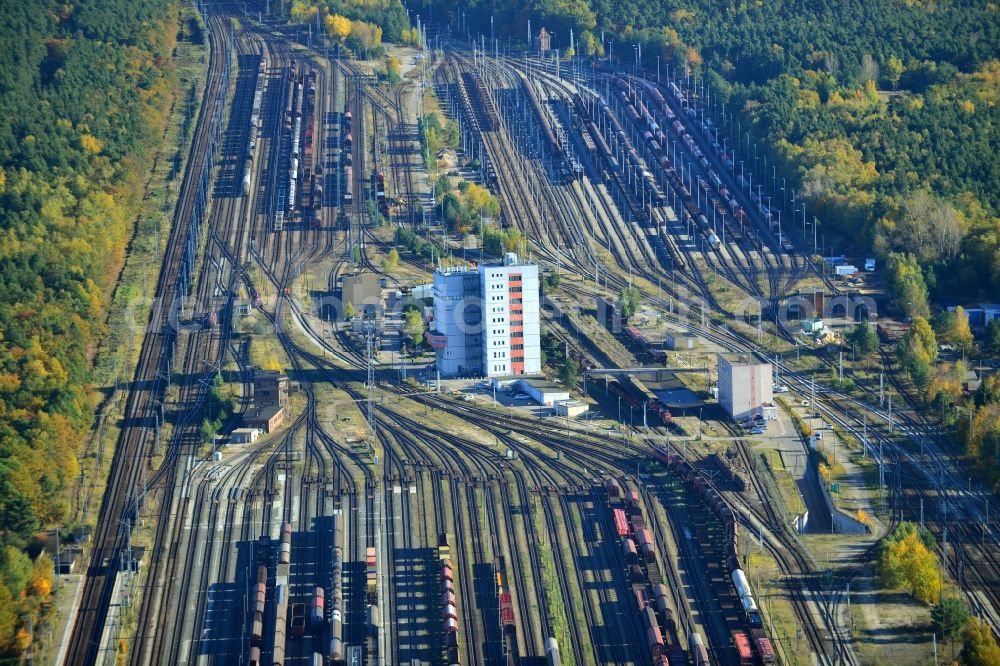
979 647
393 70
413 324
338 27
905 561
628 300
959 333
906 285
918 351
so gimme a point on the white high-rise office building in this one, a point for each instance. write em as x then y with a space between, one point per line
746 386
486 321
458 317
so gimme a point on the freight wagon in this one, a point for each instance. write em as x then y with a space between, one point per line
621 523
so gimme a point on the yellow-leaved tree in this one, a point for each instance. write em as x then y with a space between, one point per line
479 200
302 11
980 648
337 26
906 560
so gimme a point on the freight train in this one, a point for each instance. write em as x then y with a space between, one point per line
551 143
336 605
751 613
319 613
255 122
651 594
596 143
691 209
620 171
552 652
507 622
656 141
739 214
637 338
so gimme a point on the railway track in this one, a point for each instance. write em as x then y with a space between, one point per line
482 490
118 506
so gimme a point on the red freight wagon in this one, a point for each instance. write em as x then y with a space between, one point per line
766 650
743 648
506 609
621 522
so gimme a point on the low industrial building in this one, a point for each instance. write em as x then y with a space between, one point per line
364 292
267 419
244 436
980 315
608 314
570 408
544 41
541 390
805 303
65 561
681 341
132 559
746 386
665 386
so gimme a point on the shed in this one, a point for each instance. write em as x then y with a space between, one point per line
244 436
812 326
422 291
132 558
570 408
364 292
544 41
980 315
681 341
80 535
269 388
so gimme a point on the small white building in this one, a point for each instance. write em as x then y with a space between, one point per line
244 436
542 391
570 408
746 385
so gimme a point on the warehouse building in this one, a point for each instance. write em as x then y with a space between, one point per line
746 386
544 392
486 320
